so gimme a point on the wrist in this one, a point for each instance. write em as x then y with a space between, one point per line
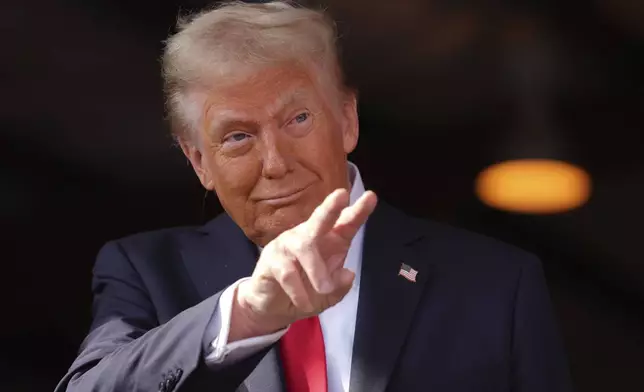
246 322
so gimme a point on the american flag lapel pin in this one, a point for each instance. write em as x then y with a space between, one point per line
407 272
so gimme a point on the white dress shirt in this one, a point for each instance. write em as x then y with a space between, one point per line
338 322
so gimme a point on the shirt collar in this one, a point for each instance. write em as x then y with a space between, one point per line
357 186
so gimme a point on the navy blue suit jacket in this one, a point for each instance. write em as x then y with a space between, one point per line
478 318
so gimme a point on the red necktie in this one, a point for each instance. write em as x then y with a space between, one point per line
303 357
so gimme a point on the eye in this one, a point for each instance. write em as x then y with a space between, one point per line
236 137
301 118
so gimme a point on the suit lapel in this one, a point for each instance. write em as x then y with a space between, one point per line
387 301
218 255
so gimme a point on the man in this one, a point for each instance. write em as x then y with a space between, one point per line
304 284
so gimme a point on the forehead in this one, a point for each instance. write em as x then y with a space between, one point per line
269 90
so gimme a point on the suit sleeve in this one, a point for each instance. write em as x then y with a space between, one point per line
219 352
127 349
539 359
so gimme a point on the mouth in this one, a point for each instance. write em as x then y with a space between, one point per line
283 198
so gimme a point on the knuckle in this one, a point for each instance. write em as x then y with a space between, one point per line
286 271
301 301
300 242
301 246
282 245
303 230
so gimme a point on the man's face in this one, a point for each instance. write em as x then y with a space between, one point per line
273 147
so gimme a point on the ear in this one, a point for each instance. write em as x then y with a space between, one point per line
199 163
351 128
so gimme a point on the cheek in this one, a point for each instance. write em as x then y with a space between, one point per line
325 134
326 147
323 154
234 178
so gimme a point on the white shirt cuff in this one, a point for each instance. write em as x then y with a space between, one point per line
218 352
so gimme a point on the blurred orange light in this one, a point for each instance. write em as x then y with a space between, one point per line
533 186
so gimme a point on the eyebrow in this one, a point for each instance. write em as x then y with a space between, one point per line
233 118
230 119
287 99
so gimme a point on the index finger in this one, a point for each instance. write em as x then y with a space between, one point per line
353 217
325 215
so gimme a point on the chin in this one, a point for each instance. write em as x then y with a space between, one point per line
270 225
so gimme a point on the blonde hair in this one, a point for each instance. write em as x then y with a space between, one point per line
233 40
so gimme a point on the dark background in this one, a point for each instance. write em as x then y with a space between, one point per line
87 155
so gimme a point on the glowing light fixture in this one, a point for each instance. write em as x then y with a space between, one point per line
533 186
535 177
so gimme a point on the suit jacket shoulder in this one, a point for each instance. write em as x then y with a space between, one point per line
181 266
460 241
463 248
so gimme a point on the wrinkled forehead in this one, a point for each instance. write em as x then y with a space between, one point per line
248 93
268 90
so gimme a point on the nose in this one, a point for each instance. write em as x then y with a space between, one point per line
276 159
